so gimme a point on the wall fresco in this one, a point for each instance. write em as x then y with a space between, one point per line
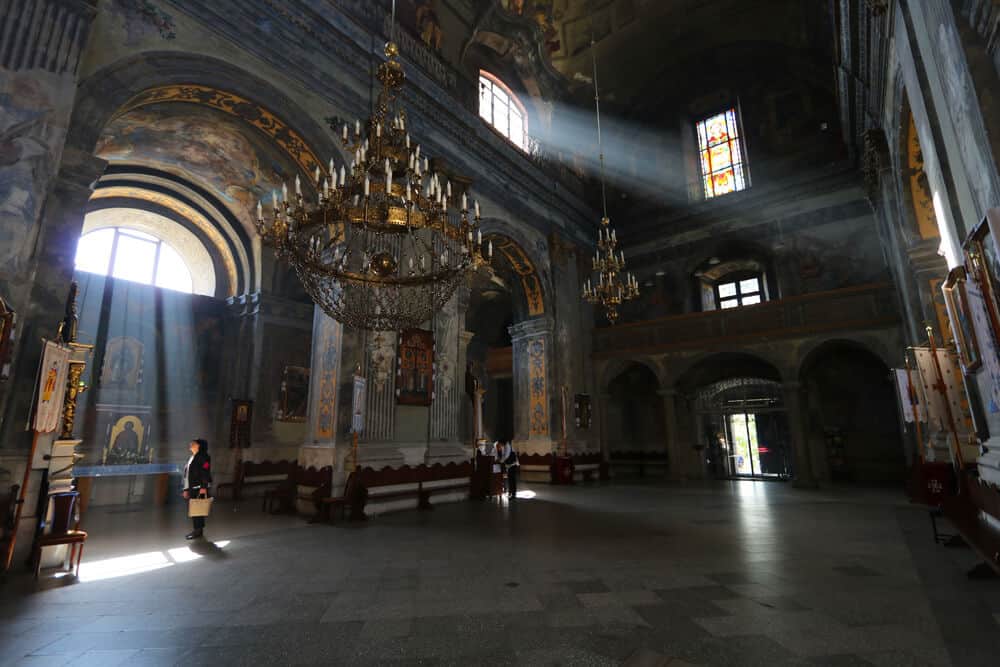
240 165
539 405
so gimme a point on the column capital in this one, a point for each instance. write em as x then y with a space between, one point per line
466 336
537 326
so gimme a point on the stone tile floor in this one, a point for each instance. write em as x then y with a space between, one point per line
737 573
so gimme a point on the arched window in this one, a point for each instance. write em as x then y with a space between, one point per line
132 255
499 107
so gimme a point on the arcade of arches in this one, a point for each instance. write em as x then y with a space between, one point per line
811 211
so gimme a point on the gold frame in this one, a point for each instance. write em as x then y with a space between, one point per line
960 319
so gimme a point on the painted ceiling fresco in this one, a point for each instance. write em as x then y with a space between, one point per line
238 163
636 39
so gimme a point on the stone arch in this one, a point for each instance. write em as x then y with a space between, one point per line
851 407
520 258
713 366
813 350
613 367
163 76
155 81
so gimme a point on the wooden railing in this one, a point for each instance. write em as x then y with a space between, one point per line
851 308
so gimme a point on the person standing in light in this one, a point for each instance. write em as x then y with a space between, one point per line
197 480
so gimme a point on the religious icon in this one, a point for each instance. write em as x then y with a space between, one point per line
126 442
415 368
7 320
582 408
122 363
239 425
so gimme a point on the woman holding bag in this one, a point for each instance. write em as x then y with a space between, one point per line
197 479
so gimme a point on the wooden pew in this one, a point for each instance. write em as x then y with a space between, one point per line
641 460
286 494
967 511
408 482
269 474
582 467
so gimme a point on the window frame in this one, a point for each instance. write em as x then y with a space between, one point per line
743 163
512 100
146 237
736 279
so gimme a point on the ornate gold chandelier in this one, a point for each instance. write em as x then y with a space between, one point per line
385 246
608 262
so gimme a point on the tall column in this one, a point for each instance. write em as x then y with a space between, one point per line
466 427
449 381
602 426
45 187
679 460
533 386
804 477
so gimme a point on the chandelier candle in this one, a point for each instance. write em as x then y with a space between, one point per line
380 249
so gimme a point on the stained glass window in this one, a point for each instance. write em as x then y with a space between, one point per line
723 168
500 108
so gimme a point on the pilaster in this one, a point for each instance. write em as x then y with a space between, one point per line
534 417
804 476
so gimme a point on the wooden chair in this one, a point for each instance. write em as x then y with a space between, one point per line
64 530
8 510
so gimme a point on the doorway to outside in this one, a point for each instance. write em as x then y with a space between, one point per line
745 428
754 450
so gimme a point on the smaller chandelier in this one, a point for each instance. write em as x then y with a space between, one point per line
608 261
609 264
386 243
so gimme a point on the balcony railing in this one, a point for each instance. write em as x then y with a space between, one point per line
851 308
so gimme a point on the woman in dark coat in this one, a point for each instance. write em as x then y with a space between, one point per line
197 480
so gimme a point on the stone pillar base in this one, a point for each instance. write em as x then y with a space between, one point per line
448 452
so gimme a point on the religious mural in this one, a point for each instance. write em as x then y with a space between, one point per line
542 11
142 18
241 165
326 364
31 132
539 402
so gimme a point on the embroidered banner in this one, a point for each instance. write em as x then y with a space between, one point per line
51 387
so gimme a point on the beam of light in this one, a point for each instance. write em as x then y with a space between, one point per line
525 495
637 158
125 566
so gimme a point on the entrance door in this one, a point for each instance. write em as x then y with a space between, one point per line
744 455
757 445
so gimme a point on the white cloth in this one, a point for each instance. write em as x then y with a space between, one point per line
184 479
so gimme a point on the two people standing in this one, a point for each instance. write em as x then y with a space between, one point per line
506 461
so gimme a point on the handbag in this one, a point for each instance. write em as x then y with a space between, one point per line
199 506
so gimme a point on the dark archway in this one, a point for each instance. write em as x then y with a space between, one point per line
634 413
736 418
852 413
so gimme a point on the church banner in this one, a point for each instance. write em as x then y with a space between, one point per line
51 387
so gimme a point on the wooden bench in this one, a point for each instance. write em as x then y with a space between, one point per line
640 460
581 466
270 474
291 490
408 482
967 511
